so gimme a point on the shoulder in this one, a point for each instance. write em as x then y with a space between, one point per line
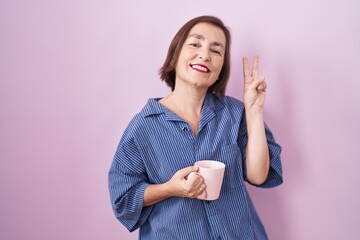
233 102
143 119
228 102
132 128
227 107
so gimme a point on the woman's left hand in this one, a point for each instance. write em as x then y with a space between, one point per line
257 151
255 86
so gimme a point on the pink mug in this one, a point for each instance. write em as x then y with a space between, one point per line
213 174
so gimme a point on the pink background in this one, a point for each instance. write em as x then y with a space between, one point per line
73 73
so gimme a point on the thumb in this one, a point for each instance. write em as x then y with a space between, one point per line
183 173
257 81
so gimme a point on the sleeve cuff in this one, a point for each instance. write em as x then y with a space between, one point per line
136 215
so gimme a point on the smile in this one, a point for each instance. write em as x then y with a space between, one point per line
200 68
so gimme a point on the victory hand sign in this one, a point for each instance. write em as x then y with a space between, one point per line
257 153
255 86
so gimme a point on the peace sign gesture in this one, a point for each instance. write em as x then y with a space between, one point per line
255 86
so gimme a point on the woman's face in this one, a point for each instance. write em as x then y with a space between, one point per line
201 57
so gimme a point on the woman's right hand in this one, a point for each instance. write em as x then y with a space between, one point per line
182 186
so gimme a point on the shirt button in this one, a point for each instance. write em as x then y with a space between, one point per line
208 202
184 129
219 238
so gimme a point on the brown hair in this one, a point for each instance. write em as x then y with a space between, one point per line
167 71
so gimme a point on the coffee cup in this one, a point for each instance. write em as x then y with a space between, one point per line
213 173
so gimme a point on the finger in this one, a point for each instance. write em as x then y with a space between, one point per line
255 66
191 175
186 171
262 86
246 69
201 188
195 180
257 82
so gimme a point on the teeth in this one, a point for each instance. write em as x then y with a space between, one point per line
200 68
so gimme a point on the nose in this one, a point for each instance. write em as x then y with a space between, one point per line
204 55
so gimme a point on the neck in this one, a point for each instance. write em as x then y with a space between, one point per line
188 101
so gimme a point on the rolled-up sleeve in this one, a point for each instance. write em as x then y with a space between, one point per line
274 177
127 183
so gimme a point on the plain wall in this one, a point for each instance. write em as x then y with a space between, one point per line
73 74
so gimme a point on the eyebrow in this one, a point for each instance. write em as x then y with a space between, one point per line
201 37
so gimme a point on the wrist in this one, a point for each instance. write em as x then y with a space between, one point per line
254 121
167 189
254 114
253 109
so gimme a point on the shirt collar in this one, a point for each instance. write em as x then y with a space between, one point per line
212 104
152 107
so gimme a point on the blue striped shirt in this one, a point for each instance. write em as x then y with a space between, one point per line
157 143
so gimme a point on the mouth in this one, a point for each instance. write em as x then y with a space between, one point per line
200 68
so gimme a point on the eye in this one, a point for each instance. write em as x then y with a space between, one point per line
216 52
193 45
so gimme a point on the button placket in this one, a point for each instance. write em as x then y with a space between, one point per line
214 221
186 130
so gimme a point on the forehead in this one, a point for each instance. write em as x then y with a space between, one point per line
208 32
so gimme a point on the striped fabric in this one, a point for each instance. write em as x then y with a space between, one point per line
157 143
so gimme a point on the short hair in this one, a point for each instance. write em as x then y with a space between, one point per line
167 71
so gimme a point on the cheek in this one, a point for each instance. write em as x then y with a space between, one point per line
219 65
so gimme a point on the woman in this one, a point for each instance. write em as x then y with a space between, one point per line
148 177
